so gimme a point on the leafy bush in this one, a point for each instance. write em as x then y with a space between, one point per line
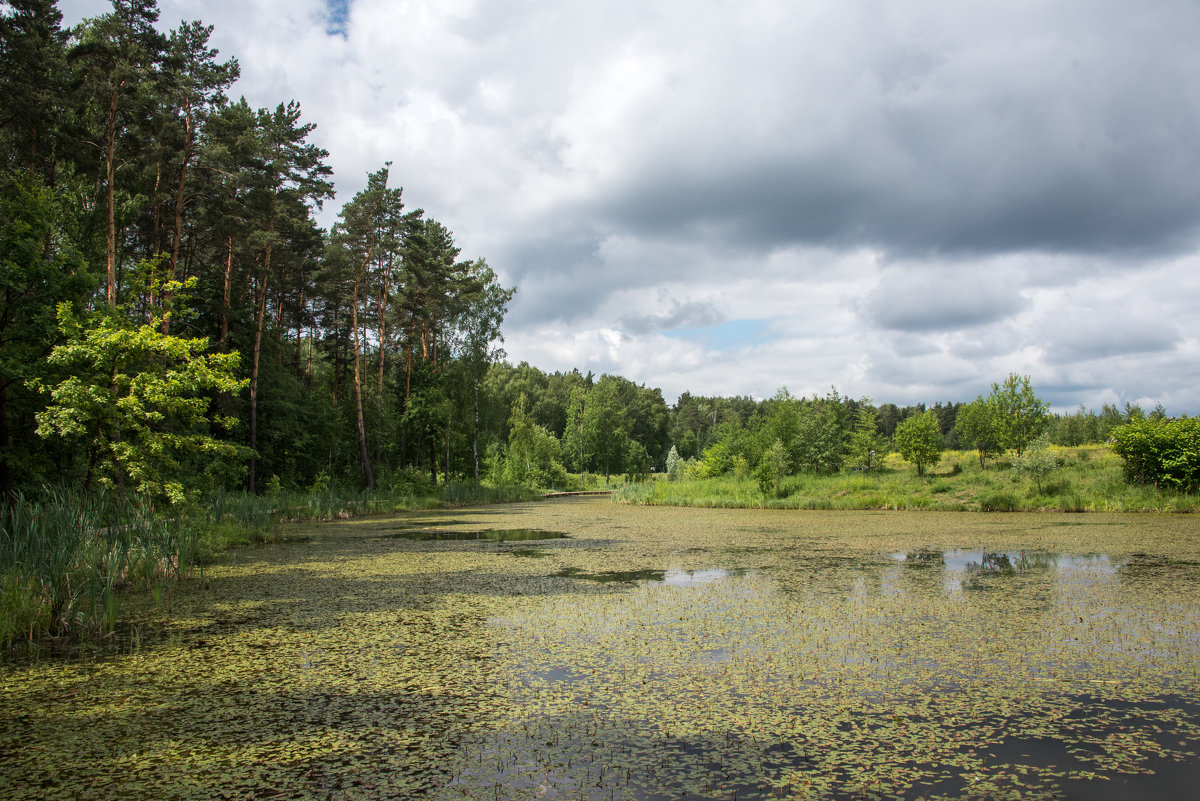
1165 453
674 465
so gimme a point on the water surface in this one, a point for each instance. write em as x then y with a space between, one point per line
649 654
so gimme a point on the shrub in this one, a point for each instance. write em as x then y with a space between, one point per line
1165 453
1038 461
674 464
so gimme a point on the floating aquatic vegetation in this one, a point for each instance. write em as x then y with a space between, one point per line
731 654
488 535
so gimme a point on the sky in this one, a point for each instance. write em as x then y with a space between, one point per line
904 200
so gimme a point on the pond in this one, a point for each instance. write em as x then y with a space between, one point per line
643 654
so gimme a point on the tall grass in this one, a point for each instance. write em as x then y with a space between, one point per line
65 557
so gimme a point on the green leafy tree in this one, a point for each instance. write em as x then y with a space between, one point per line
605 426
575 433
34 278
772 467
1038 461
139 403
480 336
980 426
820 442
919 440
730 442
865 443
532 456
1022 414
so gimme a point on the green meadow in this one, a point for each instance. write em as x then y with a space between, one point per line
584 649
1087 478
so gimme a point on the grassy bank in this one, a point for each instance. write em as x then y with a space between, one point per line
1088 479
67 559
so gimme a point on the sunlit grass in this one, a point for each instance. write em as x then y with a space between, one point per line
1089 480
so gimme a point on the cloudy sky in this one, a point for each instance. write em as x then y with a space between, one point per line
907 200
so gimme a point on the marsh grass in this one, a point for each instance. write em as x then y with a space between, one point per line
1089 479
66 557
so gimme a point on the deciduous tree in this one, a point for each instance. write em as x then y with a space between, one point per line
919 440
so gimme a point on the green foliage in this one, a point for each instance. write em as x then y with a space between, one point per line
731 441
1038 461
35 275
819 444
865 447
1022 414
604 426
674 464
1164 453
979 425
532 456
919 440
771 469
138 403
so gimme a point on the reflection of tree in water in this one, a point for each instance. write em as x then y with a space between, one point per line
1139 568
924 557
990 565
1035 561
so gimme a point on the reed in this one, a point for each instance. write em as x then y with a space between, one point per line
65 557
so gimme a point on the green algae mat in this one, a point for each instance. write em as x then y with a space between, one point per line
580 649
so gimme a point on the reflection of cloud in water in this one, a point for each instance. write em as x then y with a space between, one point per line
692 578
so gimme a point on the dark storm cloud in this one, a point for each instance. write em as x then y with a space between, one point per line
944 300
1063 135
557 276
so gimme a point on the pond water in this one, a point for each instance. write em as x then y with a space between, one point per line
643 654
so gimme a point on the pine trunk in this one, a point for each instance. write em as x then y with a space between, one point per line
228 290
177 235
110 228
258 329
362 429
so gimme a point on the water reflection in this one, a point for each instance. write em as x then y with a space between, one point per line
983 569
694 578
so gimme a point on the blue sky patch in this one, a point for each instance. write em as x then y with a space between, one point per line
726 336
339 12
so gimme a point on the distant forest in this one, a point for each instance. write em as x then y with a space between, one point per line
173 321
